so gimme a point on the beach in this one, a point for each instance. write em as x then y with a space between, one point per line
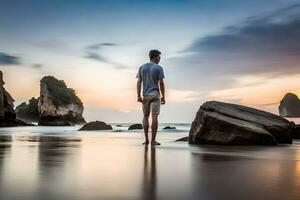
62 163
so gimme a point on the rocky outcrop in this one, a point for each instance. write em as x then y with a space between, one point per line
96 125
135 127
7 112
58 105
289 106
169 128
28 112
231 124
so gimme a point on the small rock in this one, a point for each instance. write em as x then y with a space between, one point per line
169 128
96 125
135 126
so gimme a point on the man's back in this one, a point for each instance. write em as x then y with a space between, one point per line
150 73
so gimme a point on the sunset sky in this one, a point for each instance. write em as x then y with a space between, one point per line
245 52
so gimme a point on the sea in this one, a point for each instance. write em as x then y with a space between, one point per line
62 163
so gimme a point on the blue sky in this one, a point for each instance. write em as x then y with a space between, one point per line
211 50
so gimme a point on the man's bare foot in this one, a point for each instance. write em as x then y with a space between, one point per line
155 143
146 143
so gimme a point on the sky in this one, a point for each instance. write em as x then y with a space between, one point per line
243 52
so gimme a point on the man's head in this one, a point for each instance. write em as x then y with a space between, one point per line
154 56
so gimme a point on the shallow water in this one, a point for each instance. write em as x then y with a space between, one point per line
62 163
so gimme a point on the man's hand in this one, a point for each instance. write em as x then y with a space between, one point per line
139 99
162 100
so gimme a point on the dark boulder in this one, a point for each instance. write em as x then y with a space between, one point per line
96 125
169 128
231 124
135 126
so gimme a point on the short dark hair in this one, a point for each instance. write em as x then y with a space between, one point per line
154 53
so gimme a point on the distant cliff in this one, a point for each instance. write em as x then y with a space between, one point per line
28 112
289 106
58 105
7 112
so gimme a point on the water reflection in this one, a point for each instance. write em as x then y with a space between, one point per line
53 151
248 176
56 157
113 168
5 148
149 174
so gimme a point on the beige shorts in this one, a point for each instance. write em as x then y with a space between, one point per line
151 104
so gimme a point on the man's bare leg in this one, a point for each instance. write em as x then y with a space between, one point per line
146 128
154 129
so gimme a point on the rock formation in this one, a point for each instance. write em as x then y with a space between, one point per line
135 126
289 106
58 105
96 125
7 112
231 124
28 112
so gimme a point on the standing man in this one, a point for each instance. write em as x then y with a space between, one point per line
151 75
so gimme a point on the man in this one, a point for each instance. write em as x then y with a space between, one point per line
151 75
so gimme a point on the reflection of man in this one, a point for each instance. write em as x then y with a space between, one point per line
1 96
149 183
151 75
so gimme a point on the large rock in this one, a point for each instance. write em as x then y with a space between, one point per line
296 131
96 125
231 124
7 112
135 127
28 112
289 106
58 105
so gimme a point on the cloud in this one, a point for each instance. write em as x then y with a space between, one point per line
37 66
262 94
100 45
95 56
260 44
265 45
95 52
276 32
6 59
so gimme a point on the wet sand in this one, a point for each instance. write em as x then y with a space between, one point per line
111 166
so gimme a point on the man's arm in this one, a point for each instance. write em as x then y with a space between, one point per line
162 90
138 87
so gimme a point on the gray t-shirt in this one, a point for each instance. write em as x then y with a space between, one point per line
150 73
